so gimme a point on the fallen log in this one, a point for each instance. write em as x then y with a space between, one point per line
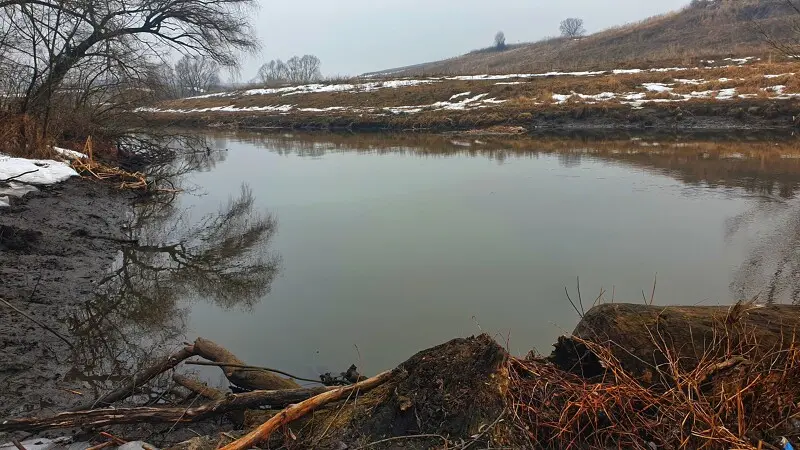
646 340
198 387
115 416
138 380
244 378
297 411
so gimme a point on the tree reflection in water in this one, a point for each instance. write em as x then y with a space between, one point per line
139 309
771 271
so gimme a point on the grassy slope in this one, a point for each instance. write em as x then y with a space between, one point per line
709 30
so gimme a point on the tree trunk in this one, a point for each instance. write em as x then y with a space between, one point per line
644 339
244 378
114 416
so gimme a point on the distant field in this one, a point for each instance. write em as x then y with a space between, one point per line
727 81
708 30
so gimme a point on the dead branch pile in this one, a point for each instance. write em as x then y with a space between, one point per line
90 167
738 392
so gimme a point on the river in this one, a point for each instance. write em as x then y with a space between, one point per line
366 249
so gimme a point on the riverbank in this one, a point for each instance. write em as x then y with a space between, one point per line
55 246
629 376
741 93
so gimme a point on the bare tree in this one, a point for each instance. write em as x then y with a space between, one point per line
196 75
572 27
125 37
500 40
786 38
295 70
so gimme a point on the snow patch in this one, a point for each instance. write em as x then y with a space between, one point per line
463 94
657 87
42 171
689 81
742 61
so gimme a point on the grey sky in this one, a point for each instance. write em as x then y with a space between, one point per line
356 36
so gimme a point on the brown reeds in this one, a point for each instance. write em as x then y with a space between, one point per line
739 395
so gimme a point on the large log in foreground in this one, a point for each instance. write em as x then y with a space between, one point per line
115 416
646 339
244 378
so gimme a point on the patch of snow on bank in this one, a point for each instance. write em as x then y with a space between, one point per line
779 75
459 105
463 94
317 88
726 94
43 171
626 71
501 83
741 61
657 87
689 81
561 98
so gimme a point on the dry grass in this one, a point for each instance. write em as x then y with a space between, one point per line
22 136
716 31
529 92
739 396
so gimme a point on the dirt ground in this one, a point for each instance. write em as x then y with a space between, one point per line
53 250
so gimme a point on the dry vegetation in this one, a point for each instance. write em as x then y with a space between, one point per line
693 100
528 91
739 395
709 30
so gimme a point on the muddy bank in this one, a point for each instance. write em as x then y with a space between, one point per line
55 245
752 114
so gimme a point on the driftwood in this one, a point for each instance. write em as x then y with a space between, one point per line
246 367
198 387
244 378
114 416
140 379
297 411
644 338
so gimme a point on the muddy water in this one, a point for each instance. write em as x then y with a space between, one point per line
377 247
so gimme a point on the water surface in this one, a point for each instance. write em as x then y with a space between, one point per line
386 246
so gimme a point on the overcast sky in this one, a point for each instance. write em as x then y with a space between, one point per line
356 36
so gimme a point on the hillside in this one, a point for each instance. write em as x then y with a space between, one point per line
707 29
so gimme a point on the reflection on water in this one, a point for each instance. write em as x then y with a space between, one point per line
139 309
395 243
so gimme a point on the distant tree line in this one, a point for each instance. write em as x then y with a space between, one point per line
191 75
305 69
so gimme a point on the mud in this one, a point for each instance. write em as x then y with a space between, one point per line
50 260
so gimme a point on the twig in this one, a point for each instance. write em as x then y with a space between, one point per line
486 430
246 367
566 291
38 323
401 438
580 300
18 444
653 294
18 176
